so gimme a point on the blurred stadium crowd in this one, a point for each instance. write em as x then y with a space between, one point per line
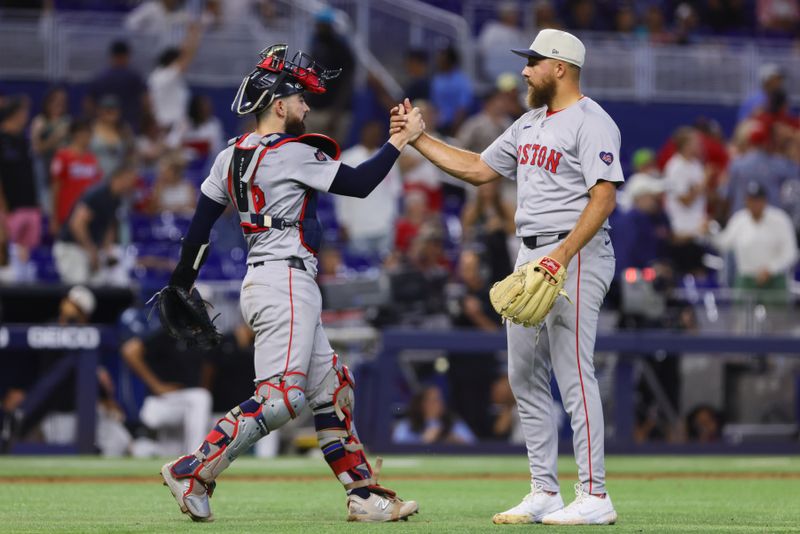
99 183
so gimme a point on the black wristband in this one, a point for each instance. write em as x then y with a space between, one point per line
193 256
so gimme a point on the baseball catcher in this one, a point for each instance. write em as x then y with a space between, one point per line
271 177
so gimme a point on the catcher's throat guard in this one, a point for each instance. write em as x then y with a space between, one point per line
276 76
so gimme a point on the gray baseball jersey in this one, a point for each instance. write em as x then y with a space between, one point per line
279 301
279 187
555 159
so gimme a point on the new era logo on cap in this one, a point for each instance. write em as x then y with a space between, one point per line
556 44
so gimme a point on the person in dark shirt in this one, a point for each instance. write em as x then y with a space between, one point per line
418 85
19 208
331 110
120 80
172 373
84 251
473 310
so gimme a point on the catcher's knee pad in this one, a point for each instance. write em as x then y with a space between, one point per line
276 400
335 392
336 432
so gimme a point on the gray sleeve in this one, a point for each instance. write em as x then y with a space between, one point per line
214 185
309 165
501 155
598 150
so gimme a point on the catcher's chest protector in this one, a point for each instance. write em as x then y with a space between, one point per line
251 200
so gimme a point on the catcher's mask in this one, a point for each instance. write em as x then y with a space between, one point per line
275 76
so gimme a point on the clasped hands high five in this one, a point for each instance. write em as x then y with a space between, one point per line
406 125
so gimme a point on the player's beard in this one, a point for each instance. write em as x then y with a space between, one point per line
543 94
295 126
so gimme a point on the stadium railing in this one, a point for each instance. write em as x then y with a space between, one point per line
629 346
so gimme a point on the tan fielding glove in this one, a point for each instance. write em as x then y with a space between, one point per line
526 296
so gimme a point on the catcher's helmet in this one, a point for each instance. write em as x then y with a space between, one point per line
275 76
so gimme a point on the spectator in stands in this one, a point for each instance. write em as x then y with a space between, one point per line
420 174
73 170
19 204
49 132
415 214
506 423
112 141
474 307
772 79
15 265
59 425
757 163
644 161
331 264
726 17
451 91
626 22
368 223
427 253
85 250
204 136
764 245
686 24
508 85
150 143
332 109
429 421
169 92
686 180
122 81
418 81
655 26
778 17
157 18
480 130
497 37
176 400
546 16
489 220
172 192
583 16
642 235
704 425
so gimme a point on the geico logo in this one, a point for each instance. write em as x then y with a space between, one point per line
70 337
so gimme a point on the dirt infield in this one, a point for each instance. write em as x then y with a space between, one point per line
148 479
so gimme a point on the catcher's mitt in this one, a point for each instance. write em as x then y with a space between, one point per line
526 296
183 314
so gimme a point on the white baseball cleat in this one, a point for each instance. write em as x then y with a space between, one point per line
534 506
586 509
192 494
381 506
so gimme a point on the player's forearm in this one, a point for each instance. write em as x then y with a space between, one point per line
360 181
601 203
462 164
194 249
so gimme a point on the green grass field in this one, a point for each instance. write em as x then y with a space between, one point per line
456 494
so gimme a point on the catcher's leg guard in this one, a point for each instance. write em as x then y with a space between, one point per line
276 401
336 432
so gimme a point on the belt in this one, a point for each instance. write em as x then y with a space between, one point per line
293 261
536 241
